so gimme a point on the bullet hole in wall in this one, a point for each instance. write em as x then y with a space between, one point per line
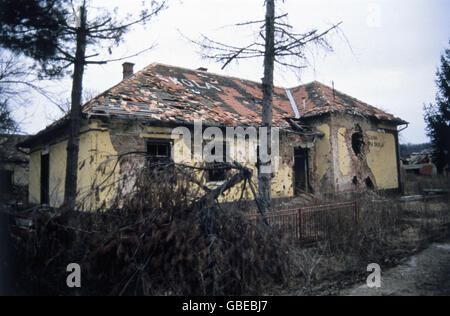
355 180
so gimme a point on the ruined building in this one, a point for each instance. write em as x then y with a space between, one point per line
329 141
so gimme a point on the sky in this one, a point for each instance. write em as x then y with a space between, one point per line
386 53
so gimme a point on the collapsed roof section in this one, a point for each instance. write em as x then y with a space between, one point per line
315 99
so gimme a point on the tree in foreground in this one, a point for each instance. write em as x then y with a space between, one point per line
437 115
7 122
277 43
59 34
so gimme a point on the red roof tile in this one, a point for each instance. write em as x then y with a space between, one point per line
321 99
177 94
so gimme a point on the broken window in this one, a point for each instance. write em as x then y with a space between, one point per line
217 170
358 141
158 152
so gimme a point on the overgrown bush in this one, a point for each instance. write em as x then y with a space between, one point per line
158 242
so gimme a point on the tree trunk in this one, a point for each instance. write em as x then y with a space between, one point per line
70 192
265 178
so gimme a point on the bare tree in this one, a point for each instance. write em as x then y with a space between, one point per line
278 44
103 28
16 82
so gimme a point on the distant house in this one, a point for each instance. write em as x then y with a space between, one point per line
13 168
329 141
420 163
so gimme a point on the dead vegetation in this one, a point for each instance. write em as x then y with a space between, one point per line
159 242
387 233
415 184
169 236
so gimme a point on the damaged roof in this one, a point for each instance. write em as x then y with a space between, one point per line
178 95
174 94
316 99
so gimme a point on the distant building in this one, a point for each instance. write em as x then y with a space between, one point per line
13 168
420 163
329 141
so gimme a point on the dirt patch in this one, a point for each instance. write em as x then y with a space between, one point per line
424 274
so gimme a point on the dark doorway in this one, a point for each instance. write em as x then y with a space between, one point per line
45 179
301 170
5 184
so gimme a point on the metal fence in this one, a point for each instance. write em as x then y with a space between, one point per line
311 223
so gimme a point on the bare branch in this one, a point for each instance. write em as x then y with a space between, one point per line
102 62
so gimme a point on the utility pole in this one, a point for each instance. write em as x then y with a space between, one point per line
70 192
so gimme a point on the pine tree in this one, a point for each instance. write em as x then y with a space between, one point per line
437 116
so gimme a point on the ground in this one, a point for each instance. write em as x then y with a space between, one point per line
424 274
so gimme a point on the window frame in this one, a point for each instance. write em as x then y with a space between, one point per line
157 142
224 174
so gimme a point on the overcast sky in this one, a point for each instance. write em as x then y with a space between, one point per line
388 57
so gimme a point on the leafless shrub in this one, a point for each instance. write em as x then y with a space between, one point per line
159 241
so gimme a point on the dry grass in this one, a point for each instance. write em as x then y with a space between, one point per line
163 238
414 184
387 233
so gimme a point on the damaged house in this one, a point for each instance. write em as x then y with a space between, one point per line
329 142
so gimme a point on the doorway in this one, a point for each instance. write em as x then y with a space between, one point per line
301 178
45 179
5 184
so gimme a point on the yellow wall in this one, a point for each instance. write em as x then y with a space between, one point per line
282 183
98 167
95 150
379 161
323 159
382 159
57 155
34 193
343 154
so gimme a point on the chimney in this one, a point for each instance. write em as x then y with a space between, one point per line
127 70
334 93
